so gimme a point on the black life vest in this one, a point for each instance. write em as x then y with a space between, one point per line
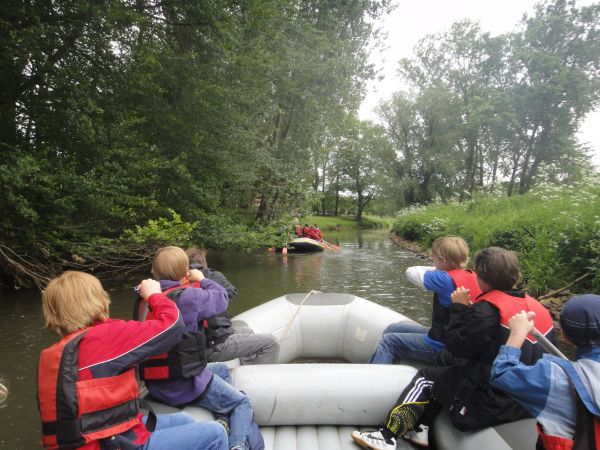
75 412
187 358
218 329
441 314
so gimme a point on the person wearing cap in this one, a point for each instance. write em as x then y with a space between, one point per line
563 396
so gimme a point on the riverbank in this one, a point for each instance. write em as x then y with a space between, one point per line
341 223
555 230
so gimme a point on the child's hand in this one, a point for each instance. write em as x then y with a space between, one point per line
149 287
195 275
520 324
461 295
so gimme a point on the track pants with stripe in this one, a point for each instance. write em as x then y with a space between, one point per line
410 406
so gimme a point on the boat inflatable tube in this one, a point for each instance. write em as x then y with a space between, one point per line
322 394
326 326
315 406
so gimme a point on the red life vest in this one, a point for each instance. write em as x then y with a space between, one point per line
75 413
509 305
587 432
187 358
589 442
467 279
550 442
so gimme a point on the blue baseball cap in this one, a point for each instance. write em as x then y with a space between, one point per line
580 320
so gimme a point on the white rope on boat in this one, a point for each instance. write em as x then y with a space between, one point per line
289 325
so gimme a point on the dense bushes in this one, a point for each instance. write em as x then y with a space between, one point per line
555 231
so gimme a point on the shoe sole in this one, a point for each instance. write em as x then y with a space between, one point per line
362 443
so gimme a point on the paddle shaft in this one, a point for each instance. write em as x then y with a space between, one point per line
546 344
335 247
543 340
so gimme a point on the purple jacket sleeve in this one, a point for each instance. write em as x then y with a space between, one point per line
208 300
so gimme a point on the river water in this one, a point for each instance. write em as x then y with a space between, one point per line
368 265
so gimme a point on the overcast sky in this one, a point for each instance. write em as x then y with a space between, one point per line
412 20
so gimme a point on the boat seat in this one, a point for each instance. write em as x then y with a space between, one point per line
519 435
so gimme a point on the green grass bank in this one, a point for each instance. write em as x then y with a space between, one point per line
554 230
333 223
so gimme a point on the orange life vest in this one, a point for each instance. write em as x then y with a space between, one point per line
75 412
466 278
509 305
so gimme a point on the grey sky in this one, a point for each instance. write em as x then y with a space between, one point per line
411 21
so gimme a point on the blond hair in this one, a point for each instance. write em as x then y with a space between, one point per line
74 301
170 263
453 249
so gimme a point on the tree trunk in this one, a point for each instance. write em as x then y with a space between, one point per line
359 207
469 168
525 165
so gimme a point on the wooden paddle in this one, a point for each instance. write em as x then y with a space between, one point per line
336 248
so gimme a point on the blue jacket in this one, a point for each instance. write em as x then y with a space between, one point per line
544 388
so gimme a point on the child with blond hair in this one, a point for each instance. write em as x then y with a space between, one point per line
87 383
410 341
182 376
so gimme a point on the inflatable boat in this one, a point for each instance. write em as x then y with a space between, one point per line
321 389
305 245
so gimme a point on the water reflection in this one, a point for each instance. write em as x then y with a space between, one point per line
367 265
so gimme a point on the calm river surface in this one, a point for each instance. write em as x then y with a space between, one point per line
368 265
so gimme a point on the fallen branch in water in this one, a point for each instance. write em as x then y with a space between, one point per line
558 291
24 269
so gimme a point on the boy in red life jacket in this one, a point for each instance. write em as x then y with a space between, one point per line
194 383
317 232
410 341
87 386
563 396
460 384
306 230
313 233
299 230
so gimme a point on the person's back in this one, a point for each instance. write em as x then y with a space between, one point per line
95 361
193 381
460 384
197 299
225 342
564 397
475 334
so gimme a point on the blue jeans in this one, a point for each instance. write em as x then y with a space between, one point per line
222 398
180 431
403 341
